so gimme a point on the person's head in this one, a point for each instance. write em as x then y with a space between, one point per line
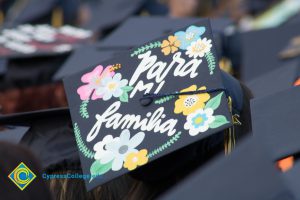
183 8
10 157
74 189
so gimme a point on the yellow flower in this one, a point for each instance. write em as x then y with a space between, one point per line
188 104
170 46
135 159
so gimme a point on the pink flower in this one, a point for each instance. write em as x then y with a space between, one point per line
93 80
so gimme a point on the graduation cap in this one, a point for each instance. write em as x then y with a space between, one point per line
276 80
83 57
292 177
40 40
275 122
12 134
36 12
147 103
261 48
138 30
248 173
50 136
107 14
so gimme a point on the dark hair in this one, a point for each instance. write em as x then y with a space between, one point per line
10 157
74 189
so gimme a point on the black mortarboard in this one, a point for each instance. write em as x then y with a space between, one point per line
275 121
276 80
107 14
261 49
12 134
50 136
138 30
34 11
147 102
247 173
292 177
82 58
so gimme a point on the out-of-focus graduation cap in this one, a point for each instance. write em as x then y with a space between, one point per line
292 177
247 173
40 40
46 48
147 103
83 57
50 136
261 48
12 134
275 121
138 30
56 12
107 14
276 80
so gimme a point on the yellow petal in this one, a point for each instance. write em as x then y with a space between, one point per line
166 50
165 43
174 49
177 43
204 97
202 88
191 88
178 106
172 38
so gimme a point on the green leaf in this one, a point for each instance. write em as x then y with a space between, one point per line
127 88
98 169
124 97
220 120
214 103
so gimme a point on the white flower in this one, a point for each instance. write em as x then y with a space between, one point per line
199 48
117 150
111 86
100 148
199 121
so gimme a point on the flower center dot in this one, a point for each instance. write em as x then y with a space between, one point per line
190 101
189 36
135 159
198 120
112 86
123 149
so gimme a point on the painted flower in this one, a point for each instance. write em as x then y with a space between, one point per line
191 34
199 48
135 159
170 46
120 148
198 122
93 80
111 86
187 104
100 148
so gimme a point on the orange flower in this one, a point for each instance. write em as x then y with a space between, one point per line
135 159
188 104
170 46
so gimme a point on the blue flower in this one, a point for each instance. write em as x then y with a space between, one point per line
191 34
199 120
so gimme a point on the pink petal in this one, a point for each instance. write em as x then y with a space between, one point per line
86 78
107 72
95 96
84 92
